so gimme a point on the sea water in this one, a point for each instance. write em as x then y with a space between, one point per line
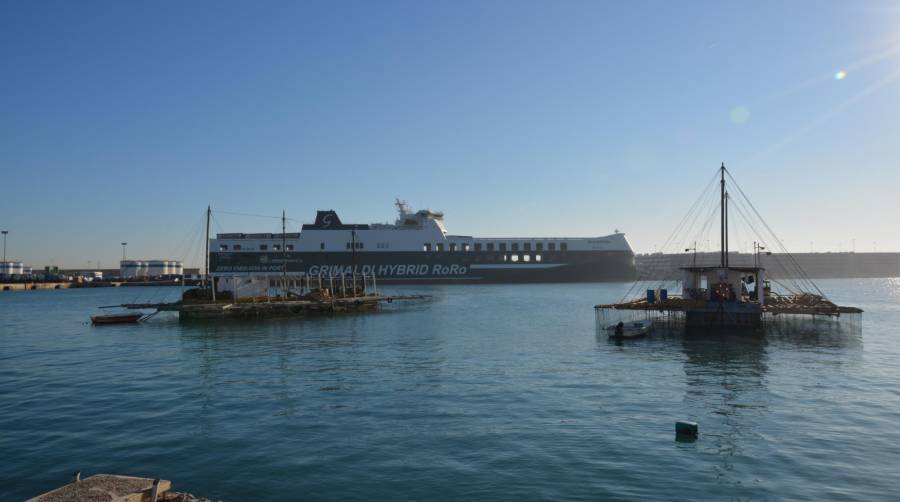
503 392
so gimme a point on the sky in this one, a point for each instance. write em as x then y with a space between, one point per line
122 121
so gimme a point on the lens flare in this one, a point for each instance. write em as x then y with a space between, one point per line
840 75
740 114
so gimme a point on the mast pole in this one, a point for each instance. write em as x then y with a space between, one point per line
726 228
722 217
283 255
206 264
353 251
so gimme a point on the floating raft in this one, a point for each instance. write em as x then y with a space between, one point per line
273 307
319 295
725 294
107 488
806 304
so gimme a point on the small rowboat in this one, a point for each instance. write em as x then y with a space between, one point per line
116 318
635 329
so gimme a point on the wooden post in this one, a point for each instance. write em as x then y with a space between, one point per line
154 493
76 477
206 265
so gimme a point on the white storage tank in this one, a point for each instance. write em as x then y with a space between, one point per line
156 268
11 267
129 269
132 269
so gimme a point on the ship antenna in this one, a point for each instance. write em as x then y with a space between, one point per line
283 255
402 206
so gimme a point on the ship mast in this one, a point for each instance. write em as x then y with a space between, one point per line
283 255
723 221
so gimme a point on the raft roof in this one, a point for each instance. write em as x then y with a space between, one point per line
719 267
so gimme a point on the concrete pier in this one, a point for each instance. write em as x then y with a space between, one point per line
28 286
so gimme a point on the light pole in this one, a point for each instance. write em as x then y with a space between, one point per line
123 250
694 249
757 249
4 244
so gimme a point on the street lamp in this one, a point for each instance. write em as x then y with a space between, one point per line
123 250
4 244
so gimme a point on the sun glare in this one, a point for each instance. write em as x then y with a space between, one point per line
840 75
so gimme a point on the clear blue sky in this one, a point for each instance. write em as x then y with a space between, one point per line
121 121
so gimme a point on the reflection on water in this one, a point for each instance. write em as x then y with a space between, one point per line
818 333
727 374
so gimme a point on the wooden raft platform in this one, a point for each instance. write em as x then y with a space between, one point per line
775 305
107 488
272 307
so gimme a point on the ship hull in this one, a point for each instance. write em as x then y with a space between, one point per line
436 267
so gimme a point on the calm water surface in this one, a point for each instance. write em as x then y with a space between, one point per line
487 392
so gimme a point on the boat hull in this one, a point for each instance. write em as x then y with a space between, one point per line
116 319
437 267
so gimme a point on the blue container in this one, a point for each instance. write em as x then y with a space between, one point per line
663 295
651 297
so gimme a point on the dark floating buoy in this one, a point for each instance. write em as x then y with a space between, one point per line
686 431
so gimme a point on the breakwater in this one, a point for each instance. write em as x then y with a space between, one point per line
815 265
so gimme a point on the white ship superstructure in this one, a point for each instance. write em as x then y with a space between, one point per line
419 247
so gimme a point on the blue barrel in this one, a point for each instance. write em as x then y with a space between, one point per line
651 296
663 295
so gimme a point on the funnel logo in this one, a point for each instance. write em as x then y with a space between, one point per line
326 220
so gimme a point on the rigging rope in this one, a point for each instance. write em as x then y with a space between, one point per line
646 275
708 205
252 215
791 257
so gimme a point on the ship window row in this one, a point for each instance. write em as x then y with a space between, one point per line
491 246
262 247
524 258
356 245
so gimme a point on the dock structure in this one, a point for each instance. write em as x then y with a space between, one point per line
724 295
250 297
107 488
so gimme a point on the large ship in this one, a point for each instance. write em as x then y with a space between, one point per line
418 248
